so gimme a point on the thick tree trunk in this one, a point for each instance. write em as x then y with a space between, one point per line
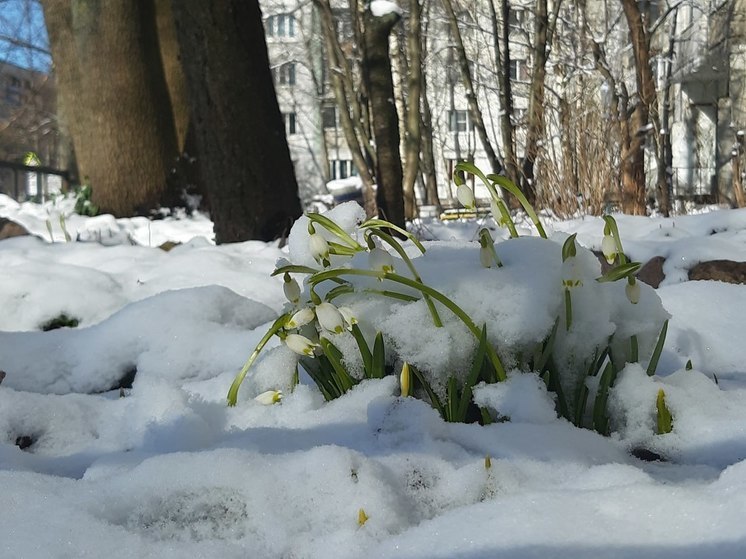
112 85
238 127
380 85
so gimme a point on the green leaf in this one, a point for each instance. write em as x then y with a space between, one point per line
377 224
634 352
434 400
473 376
378 365
568 309
294 269
335 292
345 381
619 272
568 247
452 401
547 349
365 353
688 366
653 365
665 420
600 418
336 230
580 402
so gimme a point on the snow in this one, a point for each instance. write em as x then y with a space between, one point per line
380 8
166 469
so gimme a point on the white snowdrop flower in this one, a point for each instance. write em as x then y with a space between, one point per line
319 247
291 289
633 292
380 260
608 247
495 209
487 257
300 318
330 318
405 379
300 344
465 195
269 397
348 315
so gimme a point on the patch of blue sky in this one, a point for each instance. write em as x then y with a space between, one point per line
23 35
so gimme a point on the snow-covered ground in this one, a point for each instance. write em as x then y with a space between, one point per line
166 469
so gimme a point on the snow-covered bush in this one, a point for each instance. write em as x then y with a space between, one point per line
449 317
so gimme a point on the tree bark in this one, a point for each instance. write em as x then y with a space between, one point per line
413 133
502 60
238 127
471 96
112 86
633 165
380 85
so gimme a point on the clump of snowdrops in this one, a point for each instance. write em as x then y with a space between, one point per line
338 347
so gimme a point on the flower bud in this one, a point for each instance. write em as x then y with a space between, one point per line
405 379
608 247
465 195
633 292
319 247
300 318
330 318
487 257
269 397
380 261
291 289
300 344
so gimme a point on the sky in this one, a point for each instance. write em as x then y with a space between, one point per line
23 36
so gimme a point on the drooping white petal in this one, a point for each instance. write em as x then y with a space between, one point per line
465 195
319 247
300 344
380 261
633 292
269 397
348 315
291 289
300 318
608 247
330 318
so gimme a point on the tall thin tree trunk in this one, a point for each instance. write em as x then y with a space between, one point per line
239 129
413 135
475 112
502 60
380 85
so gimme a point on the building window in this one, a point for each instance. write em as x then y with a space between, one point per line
519 70
285 74
280 25
329 117
289 119
341 169
458 121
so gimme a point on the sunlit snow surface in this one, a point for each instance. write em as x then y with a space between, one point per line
170 471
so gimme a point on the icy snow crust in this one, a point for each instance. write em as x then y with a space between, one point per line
170 471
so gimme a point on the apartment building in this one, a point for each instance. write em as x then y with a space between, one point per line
706 84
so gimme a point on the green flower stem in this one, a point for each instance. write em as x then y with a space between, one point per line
276 327
508 185
379 223
393 294
426 290
393 243
504 213
568 309
614 230
336 230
